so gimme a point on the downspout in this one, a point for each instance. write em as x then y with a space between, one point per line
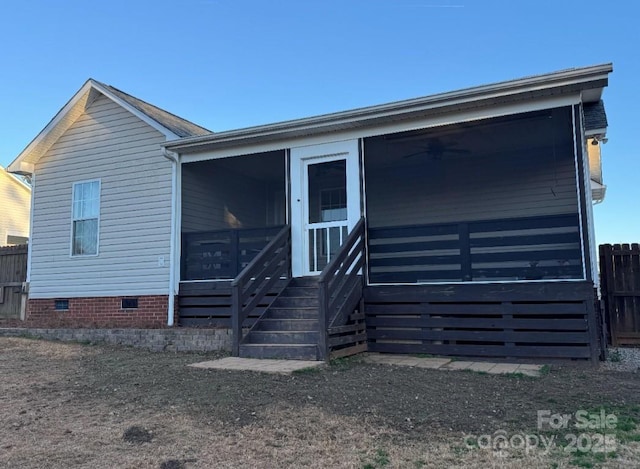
175 184
24 299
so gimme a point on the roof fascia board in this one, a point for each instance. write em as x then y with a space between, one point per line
595 132
273 142
564 81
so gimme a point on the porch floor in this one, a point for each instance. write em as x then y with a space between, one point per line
289 366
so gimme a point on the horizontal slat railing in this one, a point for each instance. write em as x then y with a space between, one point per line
517 320
257 280
222 254
534 248
340 287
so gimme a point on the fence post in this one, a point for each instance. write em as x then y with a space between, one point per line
605 287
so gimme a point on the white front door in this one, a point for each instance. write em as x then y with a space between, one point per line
325 201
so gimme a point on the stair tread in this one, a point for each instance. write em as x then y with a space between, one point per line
298 297
279 345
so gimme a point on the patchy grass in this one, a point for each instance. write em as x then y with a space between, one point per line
310 370
615 356
545 370
69 406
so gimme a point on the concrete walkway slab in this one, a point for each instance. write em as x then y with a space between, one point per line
441 363
481 367
503 368
405 360
260 365
435 363
458 365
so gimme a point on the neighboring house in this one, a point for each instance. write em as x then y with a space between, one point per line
15 206
455 224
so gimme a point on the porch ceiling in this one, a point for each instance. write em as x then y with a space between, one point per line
508 136
268 166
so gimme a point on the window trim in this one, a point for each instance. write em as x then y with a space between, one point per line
73 187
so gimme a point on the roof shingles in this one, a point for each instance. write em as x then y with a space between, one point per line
179 126
595 117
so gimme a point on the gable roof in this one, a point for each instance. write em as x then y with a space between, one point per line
170 125
179 126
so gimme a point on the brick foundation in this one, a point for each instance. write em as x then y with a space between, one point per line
99 312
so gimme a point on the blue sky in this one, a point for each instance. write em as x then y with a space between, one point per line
233 63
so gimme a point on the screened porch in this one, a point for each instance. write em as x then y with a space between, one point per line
231 209
491 200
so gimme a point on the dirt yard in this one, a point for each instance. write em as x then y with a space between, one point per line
73 405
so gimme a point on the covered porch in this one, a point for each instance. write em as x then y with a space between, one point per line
472 240
478 240
489 201
231 208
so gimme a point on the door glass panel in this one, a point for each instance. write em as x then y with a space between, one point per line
335 240
326 211
327 196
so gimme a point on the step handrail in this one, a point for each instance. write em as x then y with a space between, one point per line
340 285
257 279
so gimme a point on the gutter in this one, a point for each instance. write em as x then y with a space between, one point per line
173 251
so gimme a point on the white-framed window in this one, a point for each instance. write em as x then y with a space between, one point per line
85 218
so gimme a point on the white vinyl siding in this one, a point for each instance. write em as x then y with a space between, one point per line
219 199
15 205
110 144
480 189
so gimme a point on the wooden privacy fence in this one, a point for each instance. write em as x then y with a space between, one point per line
620 289
13 272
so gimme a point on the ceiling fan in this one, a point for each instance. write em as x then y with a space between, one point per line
434 148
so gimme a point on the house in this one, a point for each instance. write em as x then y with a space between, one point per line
454 224
102 204
15 205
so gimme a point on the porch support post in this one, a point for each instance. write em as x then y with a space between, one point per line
583 200
323 346
465 252
236 322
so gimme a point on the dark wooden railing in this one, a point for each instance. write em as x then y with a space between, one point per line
340 288
222 254
534 248
258 279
